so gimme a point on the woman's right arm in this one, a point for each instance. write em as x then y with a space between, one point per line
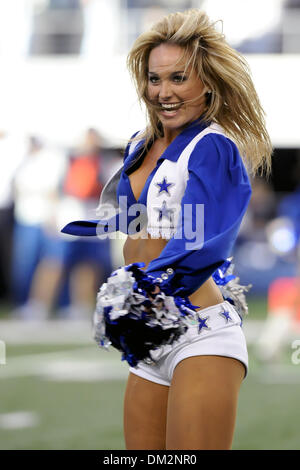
97 227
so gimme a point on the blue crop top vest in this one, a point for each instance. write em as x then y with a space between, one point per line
215 177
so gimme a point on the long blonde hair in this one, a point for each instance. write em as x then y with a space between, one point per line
233 102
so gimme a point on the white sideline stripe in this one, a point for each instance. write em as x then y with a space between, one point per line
83 365
19 420
48 331
80 332
80 364
84 372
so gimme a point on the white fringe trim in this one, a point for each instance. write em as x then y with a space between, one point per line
161 232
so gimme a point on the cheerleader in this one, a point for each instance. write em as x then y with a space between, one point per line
175 308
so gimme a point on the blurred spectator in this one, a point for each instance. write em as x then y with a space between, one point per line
12 150
37 249
290 27
141 14
57 28
262 208
87 260
284 293
283 318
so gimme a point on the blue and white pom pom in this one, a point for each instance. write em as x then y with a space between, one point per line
133 319
230 287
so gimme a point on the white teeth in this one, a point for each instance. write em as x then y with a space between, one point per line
169 106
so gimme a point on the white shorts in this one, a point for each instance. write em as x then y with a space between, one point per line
218 334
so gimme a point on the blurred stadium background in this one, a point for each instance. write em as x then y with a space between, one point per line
67 108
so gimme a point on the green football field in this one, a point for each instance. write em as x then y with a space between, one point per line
59 391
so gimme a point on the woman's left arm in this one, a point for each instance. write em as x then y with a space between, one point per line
213 205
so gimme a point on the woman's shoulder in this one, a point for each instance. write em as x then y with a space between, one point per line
215 149
216 138
216 158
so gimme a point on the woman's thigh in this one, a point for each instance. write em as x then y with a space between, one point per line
202 403
145 411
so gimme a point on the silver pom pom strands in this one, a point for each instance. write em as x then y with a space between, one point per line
132 318
230 287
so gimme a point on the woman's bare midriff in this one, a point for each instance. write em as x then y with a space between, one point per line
137 249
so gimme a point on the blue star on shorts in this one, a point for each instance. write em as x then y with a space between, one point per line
164 186
226 315
202 324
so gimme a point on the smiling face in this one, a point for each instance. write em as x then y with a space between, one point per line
176 91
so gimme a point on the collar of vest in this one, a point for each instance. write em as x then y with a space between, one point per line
176 147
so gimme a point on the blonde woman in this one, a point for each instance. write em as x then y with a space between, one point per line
187 169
